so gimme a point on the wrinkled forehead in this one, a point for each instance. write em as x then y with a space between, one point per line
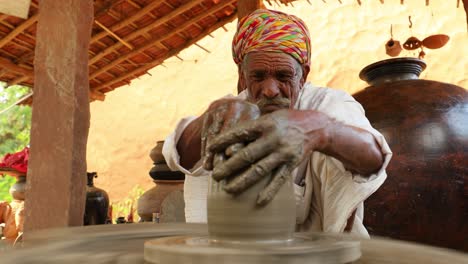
263 59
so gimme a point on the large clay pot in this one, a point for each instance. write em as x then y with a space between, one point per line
424 198
151 201
97 203
168 183
239 218
17 189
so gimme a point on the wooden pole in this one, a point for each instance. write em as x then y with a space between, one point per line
465 5
245 7
56 180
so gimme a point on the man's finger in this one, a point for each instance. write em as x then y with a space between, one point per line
233 149
279 178
218 159
255 173
213 129
248 131
244 158
204 135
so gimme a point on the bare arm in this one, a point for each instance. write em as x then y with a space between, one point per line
356 148
189 144
277 142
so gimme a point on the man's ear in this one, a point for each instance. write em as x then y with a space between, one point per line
305 73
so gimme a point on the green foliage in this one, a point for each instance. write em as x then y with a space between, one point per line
15 126
122 208
5 184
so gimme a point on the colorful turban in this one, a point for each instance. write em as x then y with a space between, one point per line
267 30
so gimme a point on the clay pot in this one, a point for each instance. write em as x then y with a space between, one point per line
17 189
167 183
426 125
97 203
393 48
151 201
238 218
156 153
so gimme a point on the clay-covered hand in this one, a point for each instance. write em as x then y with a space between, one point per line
274 145
220 116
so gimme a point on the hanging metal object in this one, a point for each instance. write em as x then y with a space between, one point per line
412 43
393 48
421 54
435 41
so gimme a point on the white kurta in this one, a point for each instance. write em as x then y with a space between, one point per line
330 193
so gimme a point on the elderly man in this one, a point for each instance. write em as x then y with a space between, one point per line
282 126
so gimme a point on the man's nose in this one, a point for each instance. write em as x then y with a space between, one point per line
270 88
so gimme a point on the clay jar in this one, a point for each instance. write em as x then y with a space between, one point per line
238 218
97 203
17 189
150 202
167 182
425 123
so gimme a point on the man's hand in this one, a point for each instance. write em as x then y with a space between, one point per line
274 143
220 116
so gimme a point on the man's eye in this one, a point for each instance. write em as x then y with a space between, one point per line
284 77
257 76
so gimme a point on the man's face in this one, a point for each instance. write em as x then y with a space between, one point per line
273 80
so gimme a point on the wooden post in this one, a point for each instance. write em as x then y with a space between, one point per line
245 7
56 180
465 5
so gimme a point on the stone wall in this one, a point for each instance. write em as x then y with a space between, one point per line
345 38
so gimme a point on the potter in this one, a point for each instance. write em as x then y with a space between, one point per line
282 140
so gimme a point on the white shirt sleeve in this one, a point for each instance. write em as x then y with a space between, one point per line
171 155
336 191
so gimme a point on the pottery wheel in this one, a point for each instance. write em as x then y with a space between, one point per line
202 249
124 244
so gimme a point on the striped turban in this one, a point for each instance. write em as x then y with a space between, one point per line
273 31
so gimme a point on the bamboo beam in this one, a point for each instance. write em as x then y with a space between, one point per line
127 21
156 41
173 52
97 96
18 30
106 7
114 35
4 63
245 7
181 9
19 80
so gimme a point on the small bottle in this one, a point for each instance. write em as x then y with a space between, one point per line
156 218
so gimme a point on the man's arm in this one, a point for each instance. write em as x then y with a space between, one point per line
277 142
355 147
189 145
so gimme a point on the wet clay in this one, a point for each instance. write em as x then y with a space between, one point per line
220 116
273 146
239 218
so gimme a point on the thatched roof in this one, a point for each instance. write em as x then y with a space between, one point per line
129 37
